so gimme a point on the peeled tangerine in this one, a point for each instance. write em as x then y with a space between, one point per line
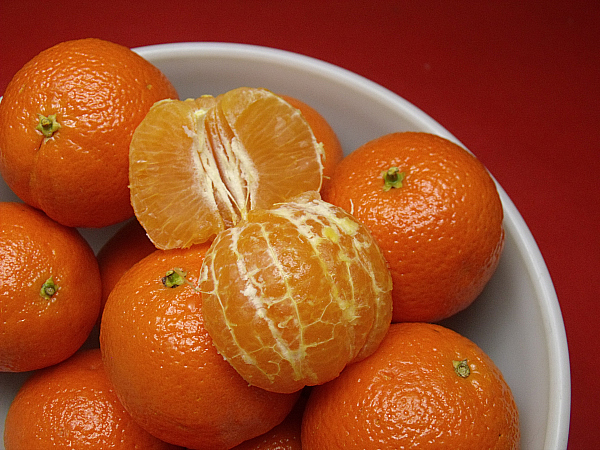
294 293
197 166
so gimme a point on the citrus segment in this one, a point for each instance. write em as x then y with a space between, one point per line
293 294
172 192
333 152
198 166
274 142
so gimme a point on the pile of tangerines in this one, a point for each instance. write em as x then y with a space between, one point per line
264 290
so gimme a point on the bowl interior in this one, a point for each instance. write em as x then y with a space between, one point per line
516 320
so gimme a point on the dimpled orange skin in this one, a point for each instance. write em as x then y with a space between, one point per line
73 405
36 332
126 247
285 436
99 91
441 232
295 293
164 367
408 395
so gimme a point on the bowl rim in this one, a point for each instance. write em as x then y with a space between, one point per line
558 419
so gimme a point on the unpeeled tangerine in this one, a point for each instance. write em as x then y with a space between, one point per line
293 294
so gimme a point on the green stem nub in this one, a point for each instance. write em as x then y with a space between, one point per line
49 288
174 278
392 178
47 125
462 368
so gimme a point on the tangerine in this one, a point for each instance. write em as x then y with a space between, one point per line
425 386
294 293
434 210
285 436
164 367
198 166
67 119
50 289
73 405
324 133
126 247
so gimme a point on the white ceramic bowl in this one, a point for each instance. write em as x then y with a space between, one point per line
517 319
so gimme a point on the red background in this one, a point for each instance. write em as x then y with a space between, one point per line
516 81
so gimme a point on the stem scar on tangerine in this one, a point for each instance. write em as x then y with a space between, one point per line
177 277
47 125
462 368
49 288
392 178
